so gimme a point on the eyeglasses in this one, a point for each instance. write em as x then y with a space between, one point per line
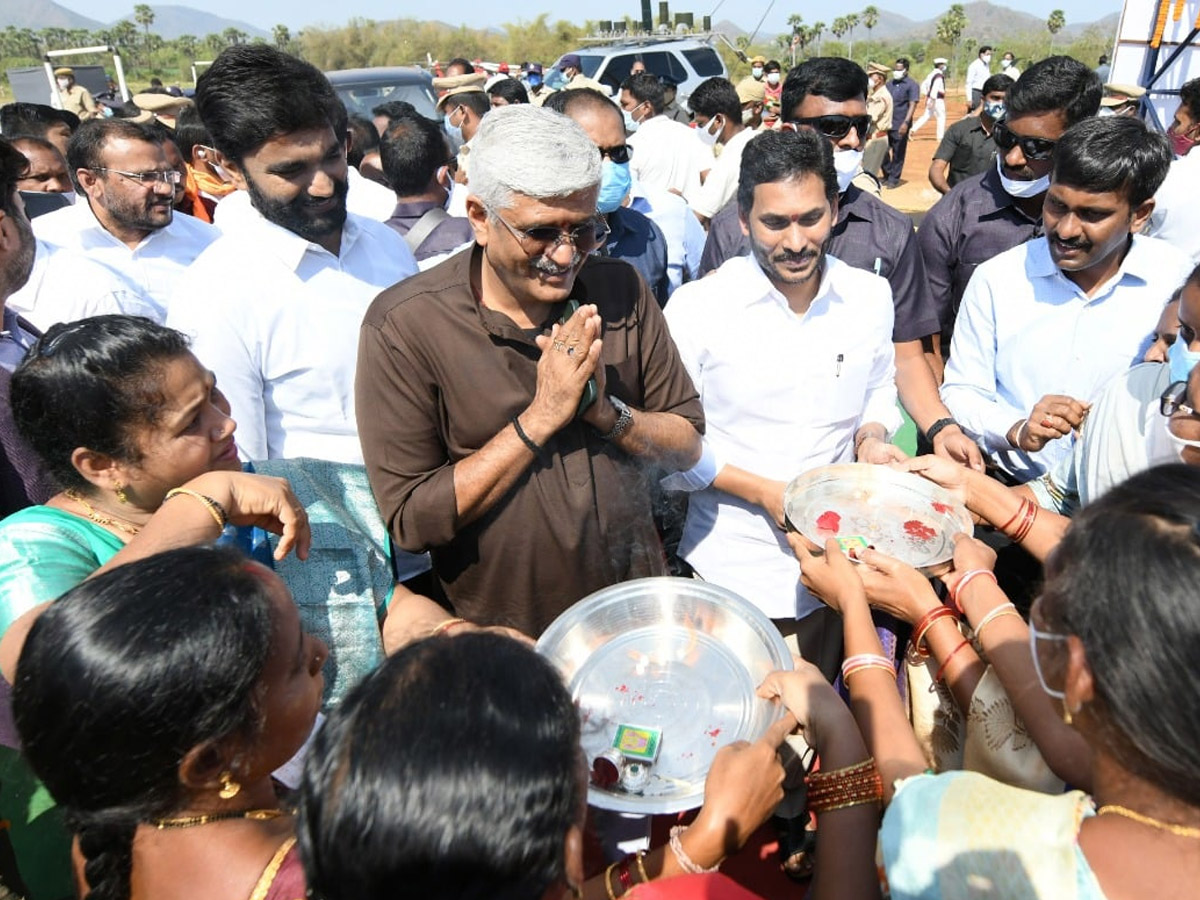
1172 399
1034 636
1031 148
619 155
833 127
170 176
584 237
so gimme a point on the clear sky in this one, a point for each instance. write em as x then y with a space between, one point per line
476 13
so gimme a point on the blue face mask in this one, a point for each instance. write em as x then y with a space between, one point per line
1182 360
615 182
995 111
535 81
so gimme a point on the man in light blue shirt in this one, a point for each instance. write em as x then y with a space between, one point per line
1045 325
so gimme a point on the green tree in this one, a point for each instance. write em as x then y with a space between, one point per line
234 36
818 29
124 33
144 16
1054 25
282 36
214 43
186 44
950 28
851 24
870 18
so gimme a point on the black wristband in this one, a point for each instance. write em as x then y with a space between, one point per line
526 439
938 427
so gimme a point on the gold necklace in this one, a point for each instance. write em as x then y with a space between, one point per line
258 815
100 518
1177 830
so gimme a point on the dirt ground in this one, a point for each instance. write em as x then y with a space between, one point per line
915 194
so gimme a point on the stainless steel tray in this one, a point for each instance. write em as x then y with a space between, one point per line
898 513
676 654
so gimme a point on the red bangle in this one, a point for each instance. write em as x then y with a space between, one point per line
926 622
1026 523
942 671
625 876
966 579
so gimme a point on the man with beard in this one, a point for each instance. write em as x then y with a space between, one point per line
470 382
127 223
792 351
1045 325
274 305
22 480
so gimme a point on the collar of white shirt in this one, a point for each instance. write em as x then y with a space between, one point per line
287 246
1137 264
760 288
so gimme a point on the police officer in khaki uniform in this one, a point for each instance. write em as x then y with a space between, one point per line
75 97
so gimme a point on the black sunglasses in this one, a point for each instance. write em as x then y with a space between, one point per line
619 155
834 127
1031 148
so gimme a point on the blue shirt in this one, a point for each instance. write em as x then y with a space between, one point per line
638 241
905 93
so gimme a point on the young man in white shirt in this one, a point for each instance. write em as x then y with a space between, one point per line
1045 325
791 351
124 217
667 154
977 73
717 111
274 308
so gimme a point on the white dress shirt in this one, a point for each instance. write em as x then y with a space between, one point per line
782 394
669 155
977 73
722 181
1176 216
277 318
368 198
65 286
235 209
683 231
1025 330
152 268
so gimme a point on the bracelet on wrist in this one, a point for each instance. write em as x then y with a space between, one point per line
927 621
966 579
445 626
215 509
938 427
534 447
861 661
852 786
941 672
1004 609
685 861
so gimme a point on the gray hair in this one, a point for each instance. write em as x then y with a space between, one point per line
524 149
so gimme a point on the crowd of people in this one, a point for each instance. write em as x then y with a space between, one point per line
311 424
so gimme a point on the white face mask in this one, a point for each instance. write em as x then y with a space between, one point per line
1178 444
64 83
757 71
631 124
1021 189
847 163
898 74
747 116
1008 63
987 58
773 79
708 136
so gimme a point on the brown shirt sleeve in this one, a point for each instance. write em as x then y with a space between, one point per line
410 472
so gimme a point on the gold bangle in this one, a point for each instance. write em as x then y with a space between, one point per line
608 881
1004 609
446 626
215 509
863 801
641 867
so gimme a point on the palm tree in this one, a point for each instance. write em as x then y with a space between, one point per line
950 28
144 16
187 45
870 18
1055 24
794 21
818 29
851 24
283 37
839 27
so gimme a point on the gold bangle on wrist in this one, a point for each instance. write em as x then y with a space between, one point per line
215 509
446 625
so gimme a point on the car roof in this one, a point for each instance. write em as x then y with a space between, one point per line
378 73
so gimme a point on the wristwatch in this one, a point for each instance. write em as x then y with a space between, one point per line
624 419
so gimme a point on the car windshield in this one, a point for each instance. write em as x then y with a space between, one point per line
360 98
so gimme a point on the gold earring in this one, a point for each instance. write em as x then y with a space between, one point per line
1067 717
120 491
229 787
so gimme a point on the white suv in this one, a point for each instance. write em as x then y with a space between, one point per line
686 61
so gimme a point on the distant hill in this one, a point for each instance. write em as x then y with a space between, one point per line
39 14
172 21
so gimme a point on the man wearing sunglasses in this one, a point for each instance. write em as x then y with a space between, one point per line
1045 325
515 400
124 217
828 95
986 214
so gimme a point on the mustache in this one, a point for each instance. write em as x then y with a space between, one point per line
549 267
1078 243
787 256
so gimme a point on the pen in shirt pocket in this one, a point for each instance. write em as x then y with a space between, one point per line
837 372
